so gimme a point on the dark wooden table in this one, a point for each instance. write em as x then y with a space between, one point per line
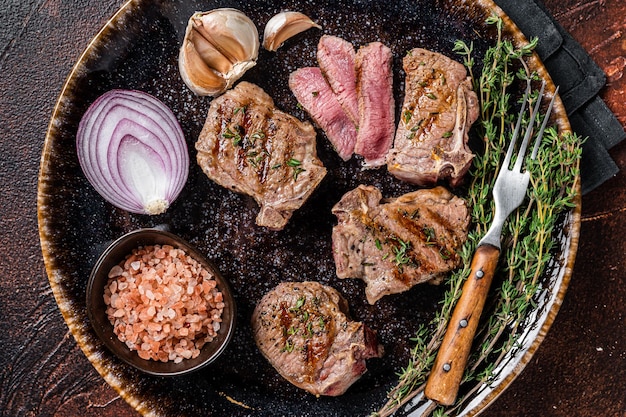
579 370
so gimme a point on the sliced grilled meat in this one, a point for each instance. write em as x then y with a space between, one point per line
314 94
335 57
376 103
249 146
397 244
438 110
304 332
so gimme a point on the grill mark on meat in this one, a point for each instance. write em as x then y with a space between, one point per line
438 110
249 146
313 350
405 226
424 97
416 253
428 220
399 243
376 103
390 244
429 246
316 353
304 332
285 319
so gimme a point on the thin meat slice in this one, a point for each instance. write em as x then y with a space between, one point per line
402 242
249 146
335 57
303 330
438 110
314 94
376 103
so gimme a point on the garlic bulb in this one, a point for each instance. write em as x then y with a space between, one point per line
283 26
219 47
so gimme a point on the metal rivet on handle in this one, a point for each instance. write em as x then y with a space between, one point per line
447 367
480 274
463 323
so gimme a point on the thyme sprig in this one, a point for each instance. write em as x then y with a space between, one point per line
528 237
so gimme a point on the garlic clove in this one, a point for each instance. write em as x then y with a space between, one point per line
219 47
208 53
230 31
199 77
283 26
237 71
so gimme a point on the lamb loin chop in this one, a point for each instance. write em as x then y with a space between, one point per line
335 57
249 146
376 103
314 94
304 332
396 244
438 110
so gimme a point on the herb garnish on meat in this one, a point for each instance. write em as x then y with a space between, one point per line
529 233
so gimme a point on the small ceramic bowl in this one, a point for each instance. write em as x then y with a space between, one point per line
96 308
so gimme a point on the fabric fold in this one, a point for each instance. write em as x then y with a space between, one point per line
580 80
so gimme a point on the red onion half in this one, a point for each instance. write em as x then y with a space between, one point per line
133 151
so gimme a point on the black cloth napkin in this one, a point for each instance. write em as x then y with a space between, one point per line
580 80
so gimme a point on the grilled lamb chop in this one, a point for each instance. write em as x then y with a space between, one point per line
397 244
314 94
335 57
249 146
304 332
376 103
438 110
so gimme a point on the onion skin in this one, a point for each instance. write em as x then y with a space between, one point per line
133 151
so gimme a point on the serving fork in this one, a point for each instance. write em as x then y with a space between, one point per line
508 194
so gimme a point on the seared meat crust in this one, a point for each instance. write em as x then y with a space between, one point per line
303 330
438 110
249 146
397 244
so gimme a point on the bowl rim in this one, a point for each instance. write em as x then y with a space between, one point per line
140 400
113 254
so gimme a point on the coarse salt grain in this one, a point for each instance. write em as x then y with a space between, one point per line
163 303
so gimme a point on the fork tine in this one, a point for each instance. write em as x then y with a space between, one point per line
543 125
529 130
509 152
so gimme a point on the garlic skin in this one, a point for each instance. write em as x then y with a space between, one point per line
283 26
219 47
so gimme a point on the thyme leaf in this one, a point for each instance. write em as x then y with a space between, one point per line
400 252
297 168
529 238
299 303
289 346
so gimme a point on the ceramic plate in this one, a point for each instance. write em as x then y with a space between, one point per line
138 49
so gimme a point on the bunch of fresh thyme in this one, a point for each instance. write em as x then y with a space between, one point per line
528 237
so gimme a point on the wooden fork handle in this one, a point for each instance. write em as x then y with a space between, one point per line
445 377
